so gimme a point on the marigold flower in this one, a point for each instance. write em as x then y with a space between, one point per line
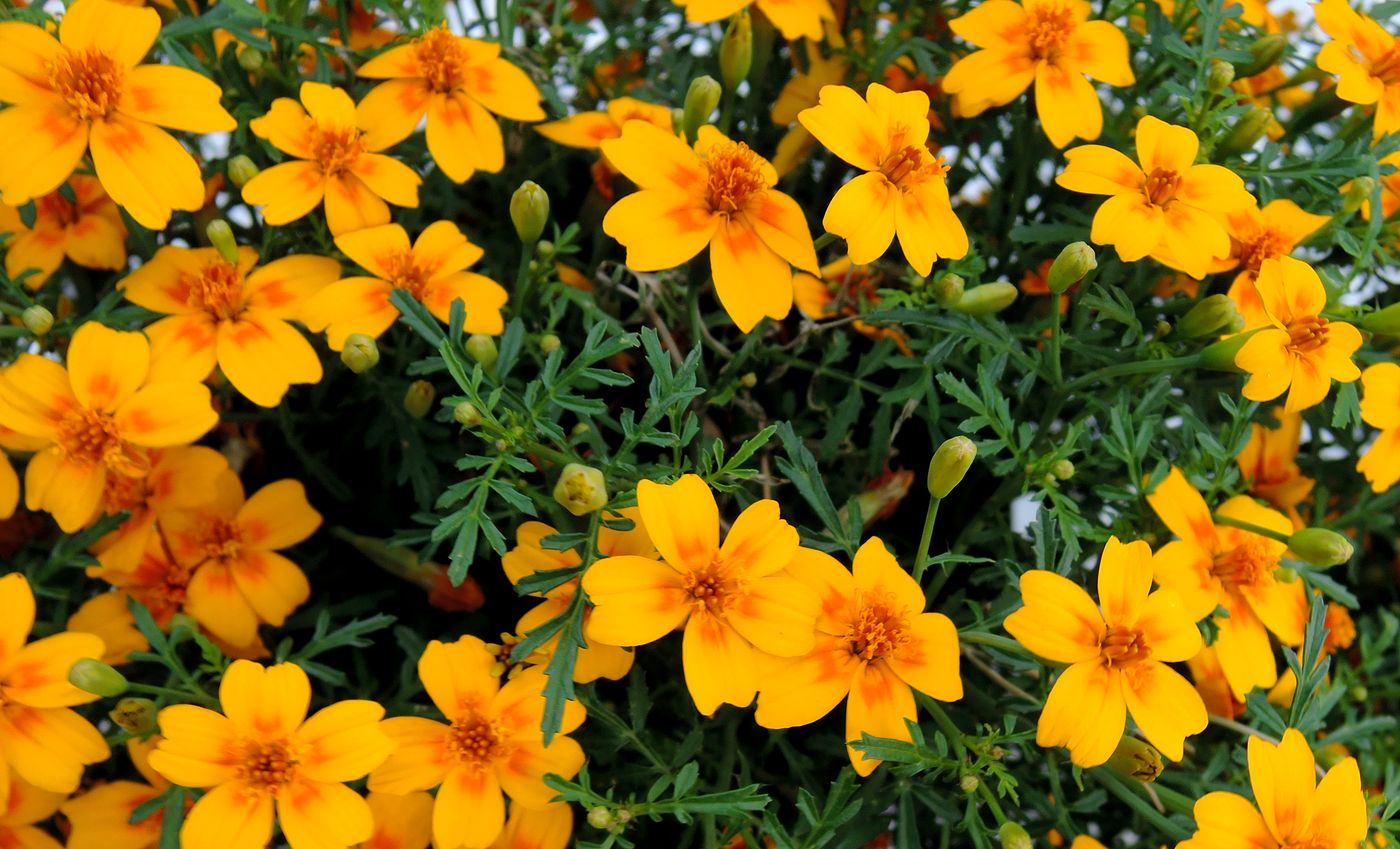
1365 58
1294 808
793 18
335 159
904 190
1300 352
1269 464
263 752
734 601
801 92
432 270
1168 208
874 643
549 827
719 194
1208 676
400 821
1259 234
85 91
1211 566
491 744
855 290
45 743
101 816
1116 653
87 230
1050 43
107 615
95 418
588 130
21 809
1380 408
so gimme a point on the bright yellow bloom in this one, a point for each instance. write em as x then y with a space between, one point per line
95 417
801 92
89 232
904 189
1380 408
720 195
229 546
588 130
735 600
21 809
1050 43
107 615
491 744
335 158
1366 60
1301 352
1211 566
400 821
1118 654
1169 208
1294 809
44 742
1259 234
549 827
432 270
86 91
264 752
461 84
1269 464
794 18
101 816
874 644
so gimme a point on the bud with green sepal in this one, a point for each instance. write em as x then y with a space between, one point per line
949 465
1073 264
94 676
529 210
1320 547
221 237
736 50
581 489
1136 759
948 290
418 400
482 348
987 299
1214 315
701 100
1013 836
360 353
37 319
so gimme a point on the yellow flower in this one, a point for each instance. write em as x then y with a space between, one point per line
400 821
233 316
45 743
1050 43
549 827
101 816
87 230
874 644
1209 679
1366 60
262 753
735 601
1169 208
21 809
588 130
85 91
432 270
1269 464
1210 566
799 93
1293 809
460 84
794 18
1300 352
1259 234
490 745
904 190
1116 653
107 615
720 195
96 417
335 158
1380 408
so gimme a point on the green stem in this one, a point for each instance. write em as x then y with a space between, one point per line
991 800
823 240
1139 367
1056 373
945 724
1120 787
180 696
523 276
921 558
996 641
1252 528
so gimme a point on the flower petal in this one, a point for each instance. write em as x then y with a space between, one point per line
265 702
1085 713
1058 621
1166 708
929 661
720 667
805 689
53 143
323 815
174 97
469 809
145 170
638 600
879 705
228 817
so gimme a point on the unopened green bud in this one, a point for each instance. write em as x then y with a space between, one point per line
949 464
580 429
1320 547
1358 193
948 290
1214 315
466 414
1285 575
482 348
241 169
581 489
221 237
601 817
37 319
1074 262
360 353
987 299
1222 73
624 815
1062 469
136 717
418 400
1263 54
94 676
1385 322
1220 356
251 59
736 50
1247 130
1162 328
969 783
1013 836
748 380
1359 693
544 248
1136 759
529 210
701 100
549 343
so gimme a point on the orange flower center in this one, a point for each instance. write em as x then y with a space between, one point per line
87 438
711 587
404 272
218 290
1309 842
1387 67
1264 243
735 176
1307 333
335 148
441 60
1124 647
164 592
911 166
124 493
223 540
89 82
266 767
475 740
1249 564
880 629
54 208
1047 29
1161 186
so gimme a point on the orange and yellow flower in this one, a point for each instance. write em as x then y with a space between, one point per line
1259 234
1164 205
263 757
432 270
108 616
588 130
1049 43
1117 654
85 91
1269 464
719 194
801 92
335 159
400 821
23 807
549 827
87 230
904 190
101 816
794 18
461 84
490 747
1365 58
1299 352
1208 676
844 289
734 600
1380 408
874 644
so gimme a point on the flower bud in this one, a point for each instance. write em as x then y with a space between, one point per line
580 429
701 99
360 353
549 343
949 464
1136 759
37 319
418 400
1285 575
581 489
482 348
221 237
545 249
1062 469
948 290
1222 73
1320 547
601 817
1358 194
1220 356
136 717
748 380
987 299
1213 315
736 50
529 210
1074 262
969 783
241 169
466 414
94 676
1247 130
1263 53
1385 322
251 59
1013 836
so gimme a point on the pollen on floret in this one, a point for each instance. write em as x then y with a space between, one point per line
90 82
441 59
735 176
217 289
1047 28
265 767
335 148
476 740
